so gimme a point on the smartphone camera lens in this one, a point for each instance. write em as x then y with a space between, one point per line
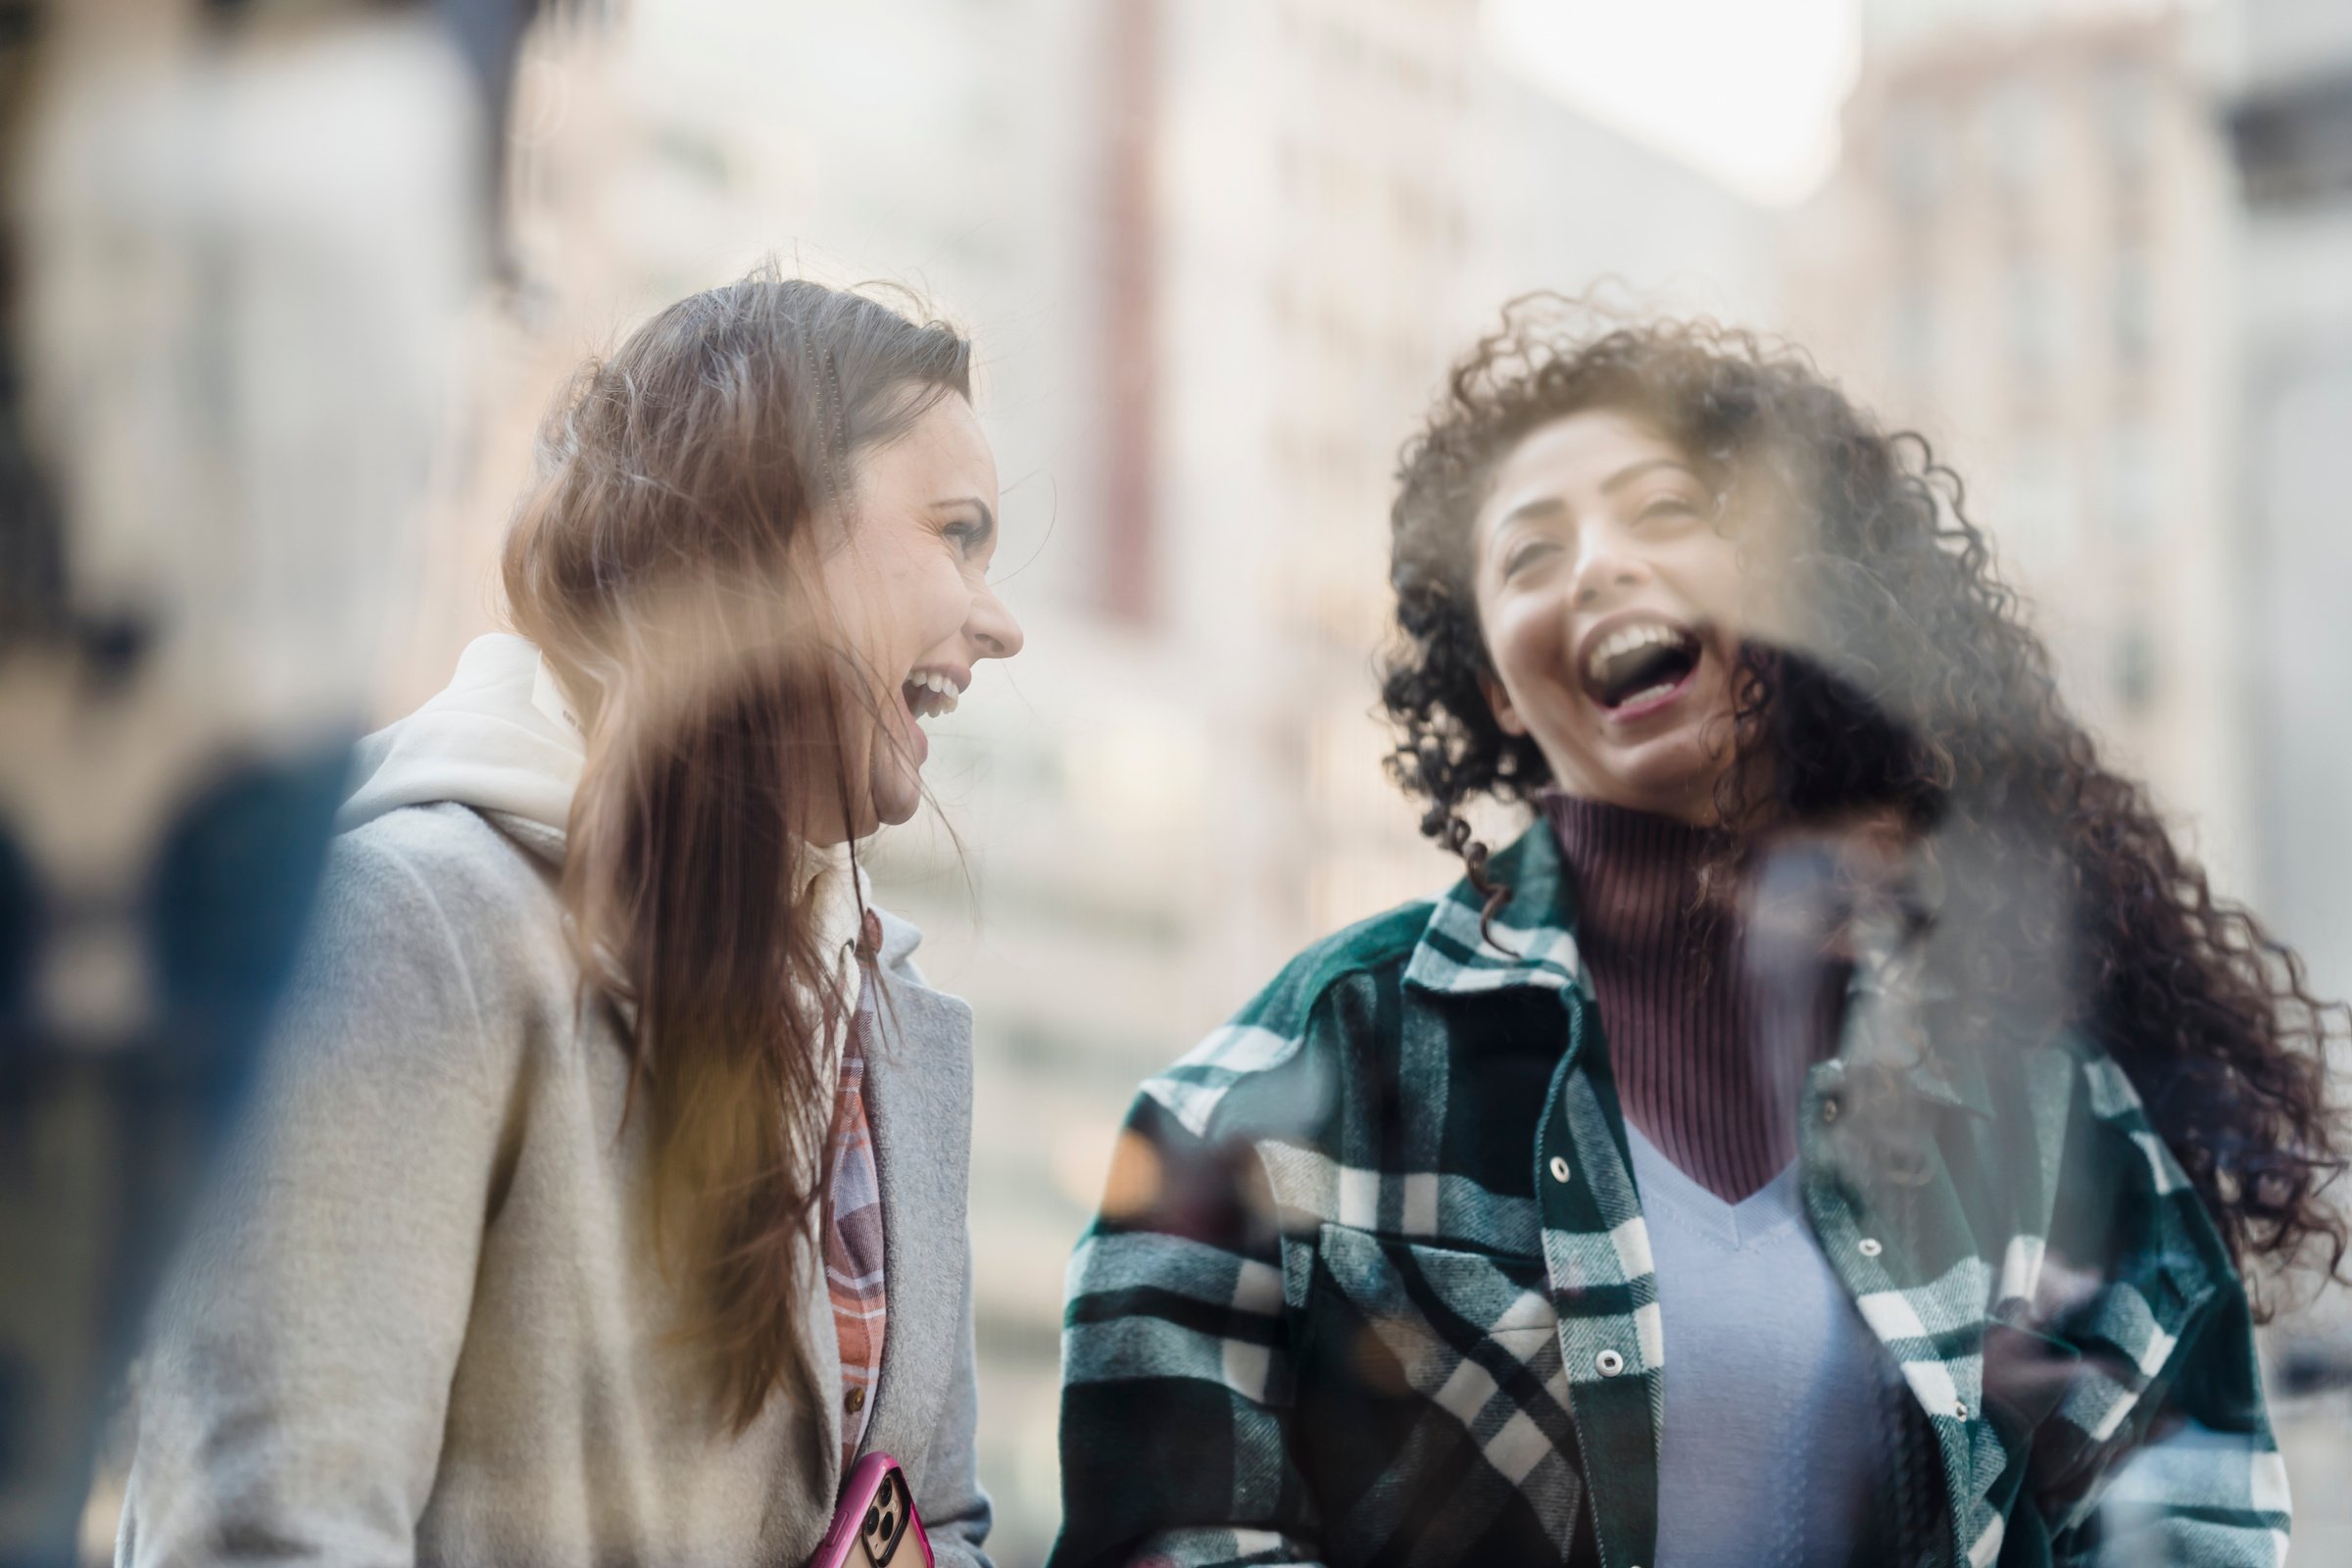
872 1516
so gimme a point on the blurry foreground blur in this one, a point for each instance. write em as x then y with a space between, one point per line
1216 254
236 249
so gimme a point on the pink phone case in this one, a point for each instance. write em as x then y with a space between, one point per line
875 1525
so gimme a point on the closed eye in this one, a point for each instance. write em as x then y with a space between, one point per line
972 531
1526 554
971 537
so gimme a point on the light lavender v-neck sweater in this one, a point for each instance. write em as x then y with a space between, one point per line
1777 1434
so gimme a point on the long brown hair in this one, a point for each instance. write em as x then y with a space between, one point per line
662 564
1916 687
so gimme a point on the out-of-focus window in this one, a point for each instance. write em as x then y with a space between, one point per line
2041 527
2132 307
1911 332
2011 130
2128 115
2030 307
2136 672
1342 43
1915 161
2135 488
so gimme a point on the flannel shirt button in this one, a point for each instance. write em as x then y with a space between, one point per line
853 1402
1828 1109
1559 1167
1608 1363
1869 1246
1960 1410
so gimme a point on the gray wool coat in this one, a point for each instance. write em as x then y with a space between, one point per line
422 1321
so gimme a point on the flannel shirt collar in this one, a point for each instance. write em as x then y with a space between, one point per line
1534 941
1533 944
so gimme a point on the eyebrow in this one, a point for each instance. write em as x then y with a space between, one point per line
1635 470
1529 510
1544 507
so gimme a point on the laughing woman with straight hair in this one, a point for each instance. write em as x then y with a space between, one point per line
604 1200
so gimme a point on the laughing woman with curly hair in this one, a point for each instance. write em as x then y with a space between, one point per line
1833 1134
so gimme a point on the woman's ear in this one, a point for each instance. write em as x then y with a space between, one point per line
1499 702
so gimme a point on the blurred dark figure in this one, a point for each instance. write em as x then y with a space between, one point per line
234 239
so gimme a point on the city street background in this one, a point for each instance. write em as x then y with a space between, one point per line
1216 255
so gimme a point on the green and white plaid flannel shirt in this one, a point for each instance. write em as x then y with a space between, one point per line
1372 1285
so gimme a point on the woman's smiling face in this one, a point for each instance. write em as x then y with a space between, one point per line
908 585
1609 594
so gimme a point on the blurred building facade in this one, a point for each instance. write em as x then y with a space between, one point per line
2095 251
2291 123
1216 254
2291 128
2025 255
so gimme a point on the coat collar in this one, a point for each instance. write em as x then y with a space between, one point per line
1531 942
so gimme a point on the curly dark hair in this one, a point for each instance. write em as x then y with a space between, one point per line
1908 685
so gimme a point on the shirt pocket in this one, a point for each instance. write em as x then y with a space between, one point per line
2105 1365
1435 1397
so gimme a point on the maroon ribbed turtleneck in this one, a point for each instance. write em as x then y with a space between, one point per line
1708 1037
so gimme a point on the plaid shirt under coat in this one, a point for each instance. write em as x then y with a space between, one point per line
856 1273
1371 1283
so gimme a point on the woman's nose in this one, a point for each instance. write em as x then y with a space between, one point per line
1605 573
993 627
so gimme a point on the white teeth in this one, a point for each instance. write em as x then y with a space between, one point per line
1625 640
930 693
1652 694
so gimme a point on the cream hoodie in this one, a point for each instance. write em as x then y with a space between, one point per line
501 738
498 738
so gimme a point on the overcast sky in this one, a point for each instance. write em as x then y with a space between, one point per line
1748 90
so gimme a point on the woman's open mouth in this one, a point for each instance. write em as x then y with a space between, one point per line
930 693
1637 668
